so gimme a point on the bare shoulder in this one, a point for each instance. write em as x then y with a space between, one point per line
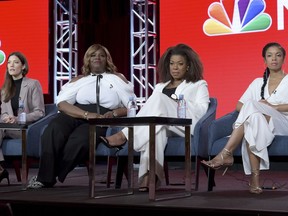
121 76
76 78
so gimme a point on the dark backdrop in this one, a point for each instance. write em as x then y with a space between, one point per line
106 22
102 21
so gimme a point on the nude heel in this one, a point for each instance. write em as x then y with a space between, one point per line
255 189
224 159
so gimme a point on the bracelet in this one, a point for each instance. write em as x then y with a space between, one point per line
85 116
114 114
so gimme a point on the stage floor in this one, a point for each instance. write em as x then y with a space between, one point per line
230 196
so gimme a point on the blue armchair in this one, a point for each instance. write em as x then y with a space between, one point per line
219 132
12 148
175 147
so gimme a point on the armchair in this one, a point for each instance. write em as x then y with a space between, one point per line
219 132
12 148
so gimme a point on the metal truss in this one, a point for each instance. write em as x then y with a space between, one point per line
143 35
142 40
65 42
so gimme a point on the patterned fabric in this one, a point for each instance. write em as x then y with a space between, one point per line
34 184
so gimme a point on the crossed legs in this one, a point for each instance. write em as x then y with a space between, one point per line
225 157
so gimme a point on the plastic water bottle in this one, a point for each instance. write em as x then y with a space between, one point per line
131 107
181 107
21 113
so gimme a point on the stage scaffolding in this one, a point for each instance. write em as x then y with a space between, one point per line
143 35
65 42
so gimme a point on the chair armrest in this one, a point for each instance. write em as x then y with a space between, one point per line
35 130
200 137
221 127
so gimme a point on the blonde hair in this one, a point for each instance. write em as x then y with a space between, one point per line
110 67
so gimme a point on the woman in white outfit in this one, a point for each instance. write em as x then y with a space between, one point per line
180 72
263 113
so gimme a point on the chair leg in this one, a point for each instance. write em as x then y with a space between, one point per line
112 160
17 168
197 170
211 178
166 171
122 164
17 163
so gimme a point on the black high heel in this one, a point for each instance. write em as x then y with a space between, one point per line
3 175
107 144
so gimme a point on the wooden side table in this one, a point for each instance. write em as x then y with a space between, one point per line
23 128
130 123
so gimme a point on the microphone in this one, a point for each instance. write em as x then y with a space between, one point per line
100 75
274 92
269 188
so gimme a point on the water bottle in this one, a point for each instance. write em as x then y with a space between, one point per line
21 113
131 107
181 107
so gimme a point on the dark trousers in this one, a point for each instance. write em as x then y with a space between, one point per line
64 145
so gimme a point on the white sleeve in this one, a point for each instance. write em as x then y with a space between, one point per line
253 91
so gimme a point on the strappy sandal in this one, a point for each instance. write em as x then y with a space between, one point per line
255 189
226 159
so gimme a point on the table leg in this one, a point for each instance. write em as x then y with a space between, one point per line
152 163
92 165
187 159
92 143
130 157
24 158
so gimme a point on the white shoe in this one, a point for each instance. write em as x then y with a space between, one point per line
34 184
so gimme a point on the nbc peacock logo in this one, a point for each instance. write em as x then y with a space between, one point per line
236 17
2 56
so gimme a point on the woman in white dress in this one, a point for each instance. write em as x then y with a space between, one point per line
180 72
263 113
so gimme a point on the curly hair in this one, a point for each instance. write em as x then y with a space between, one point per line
195 69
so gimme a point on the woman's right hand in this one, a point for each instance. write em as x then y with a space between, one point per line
10 119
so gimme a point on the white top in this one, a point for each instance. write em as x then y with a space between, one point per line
279 95
114 92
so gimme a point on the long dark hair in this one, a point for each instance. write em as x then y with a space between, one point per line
9 88
267 70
